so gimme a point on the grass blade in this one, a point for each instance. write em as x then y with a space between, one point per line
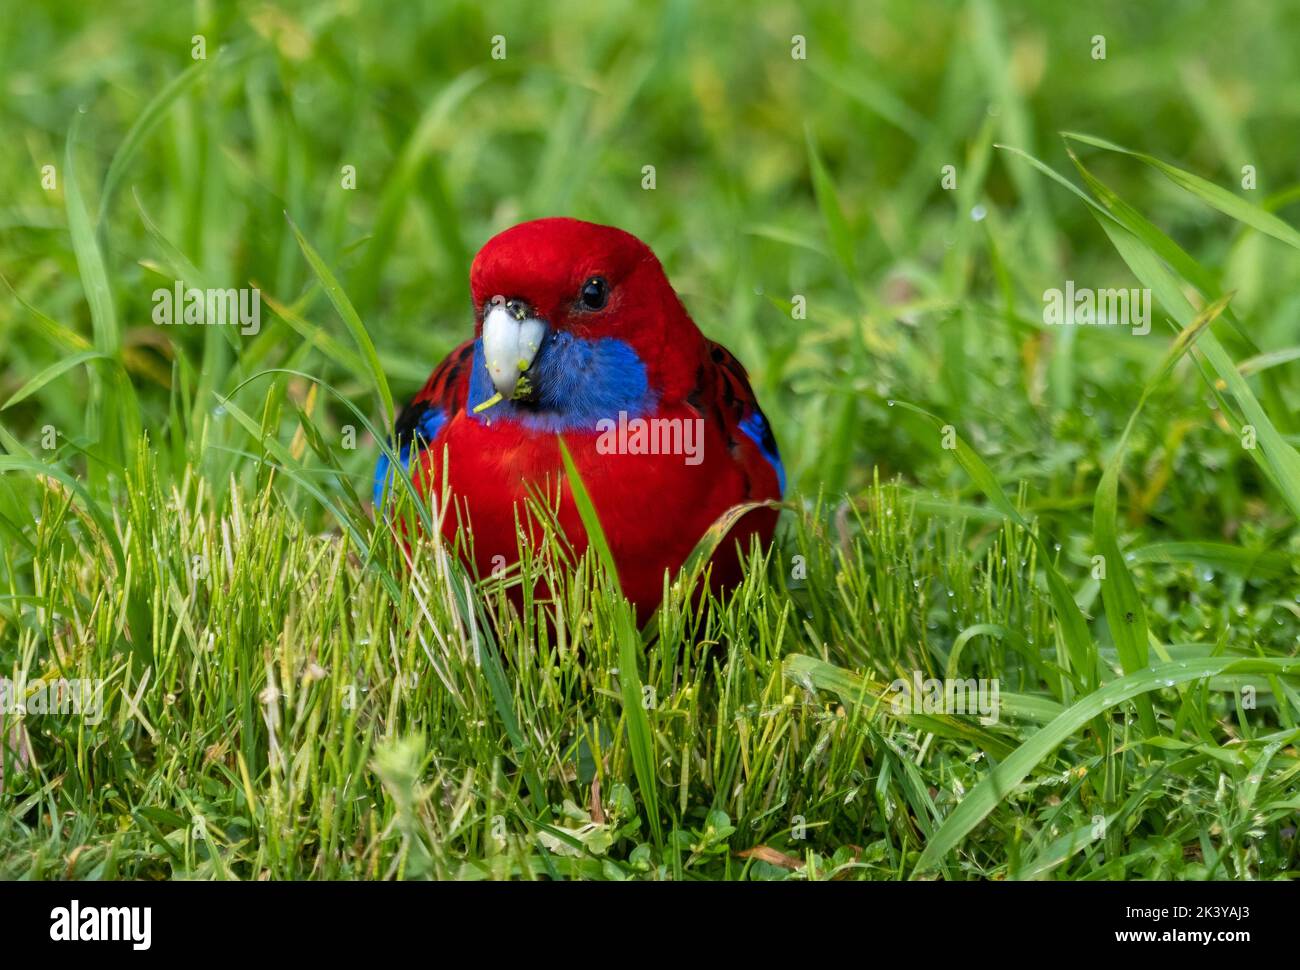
90 261
50 373
1002 780
1125 613
640 737
590 520
353 322
148 120
1212 195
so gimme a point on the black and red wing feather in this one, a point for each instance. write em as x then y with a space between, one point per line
723 388
441 399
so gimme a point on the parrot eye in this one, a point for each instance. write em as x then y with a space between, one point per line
594 294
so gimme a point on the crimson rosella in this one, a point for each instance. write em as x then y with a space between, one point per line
579 333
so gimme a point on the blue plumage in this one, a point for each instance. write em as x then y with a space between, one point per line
757 429
576 382
426 423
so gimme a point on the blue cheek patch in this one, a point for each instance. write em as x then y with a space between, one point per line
576 383
426 426
759 431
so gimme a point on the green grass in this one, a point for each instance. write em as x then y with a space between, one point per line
291 693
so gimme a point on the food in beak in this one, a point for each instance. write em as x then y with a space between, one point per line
510 342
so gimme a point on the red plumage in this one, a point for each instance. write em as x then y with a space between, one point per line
653 507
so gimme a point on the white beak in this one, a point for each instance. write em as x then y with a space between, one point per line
509 346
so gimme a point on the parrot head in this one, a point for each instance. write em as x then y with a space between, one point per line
575 322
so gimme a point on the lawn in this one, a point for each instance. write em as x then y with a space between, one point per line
886 210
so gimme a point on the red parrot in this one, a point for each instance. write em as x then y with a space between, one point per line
578 333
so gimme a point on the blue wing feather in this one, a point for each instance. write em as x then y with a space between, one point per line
441 398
